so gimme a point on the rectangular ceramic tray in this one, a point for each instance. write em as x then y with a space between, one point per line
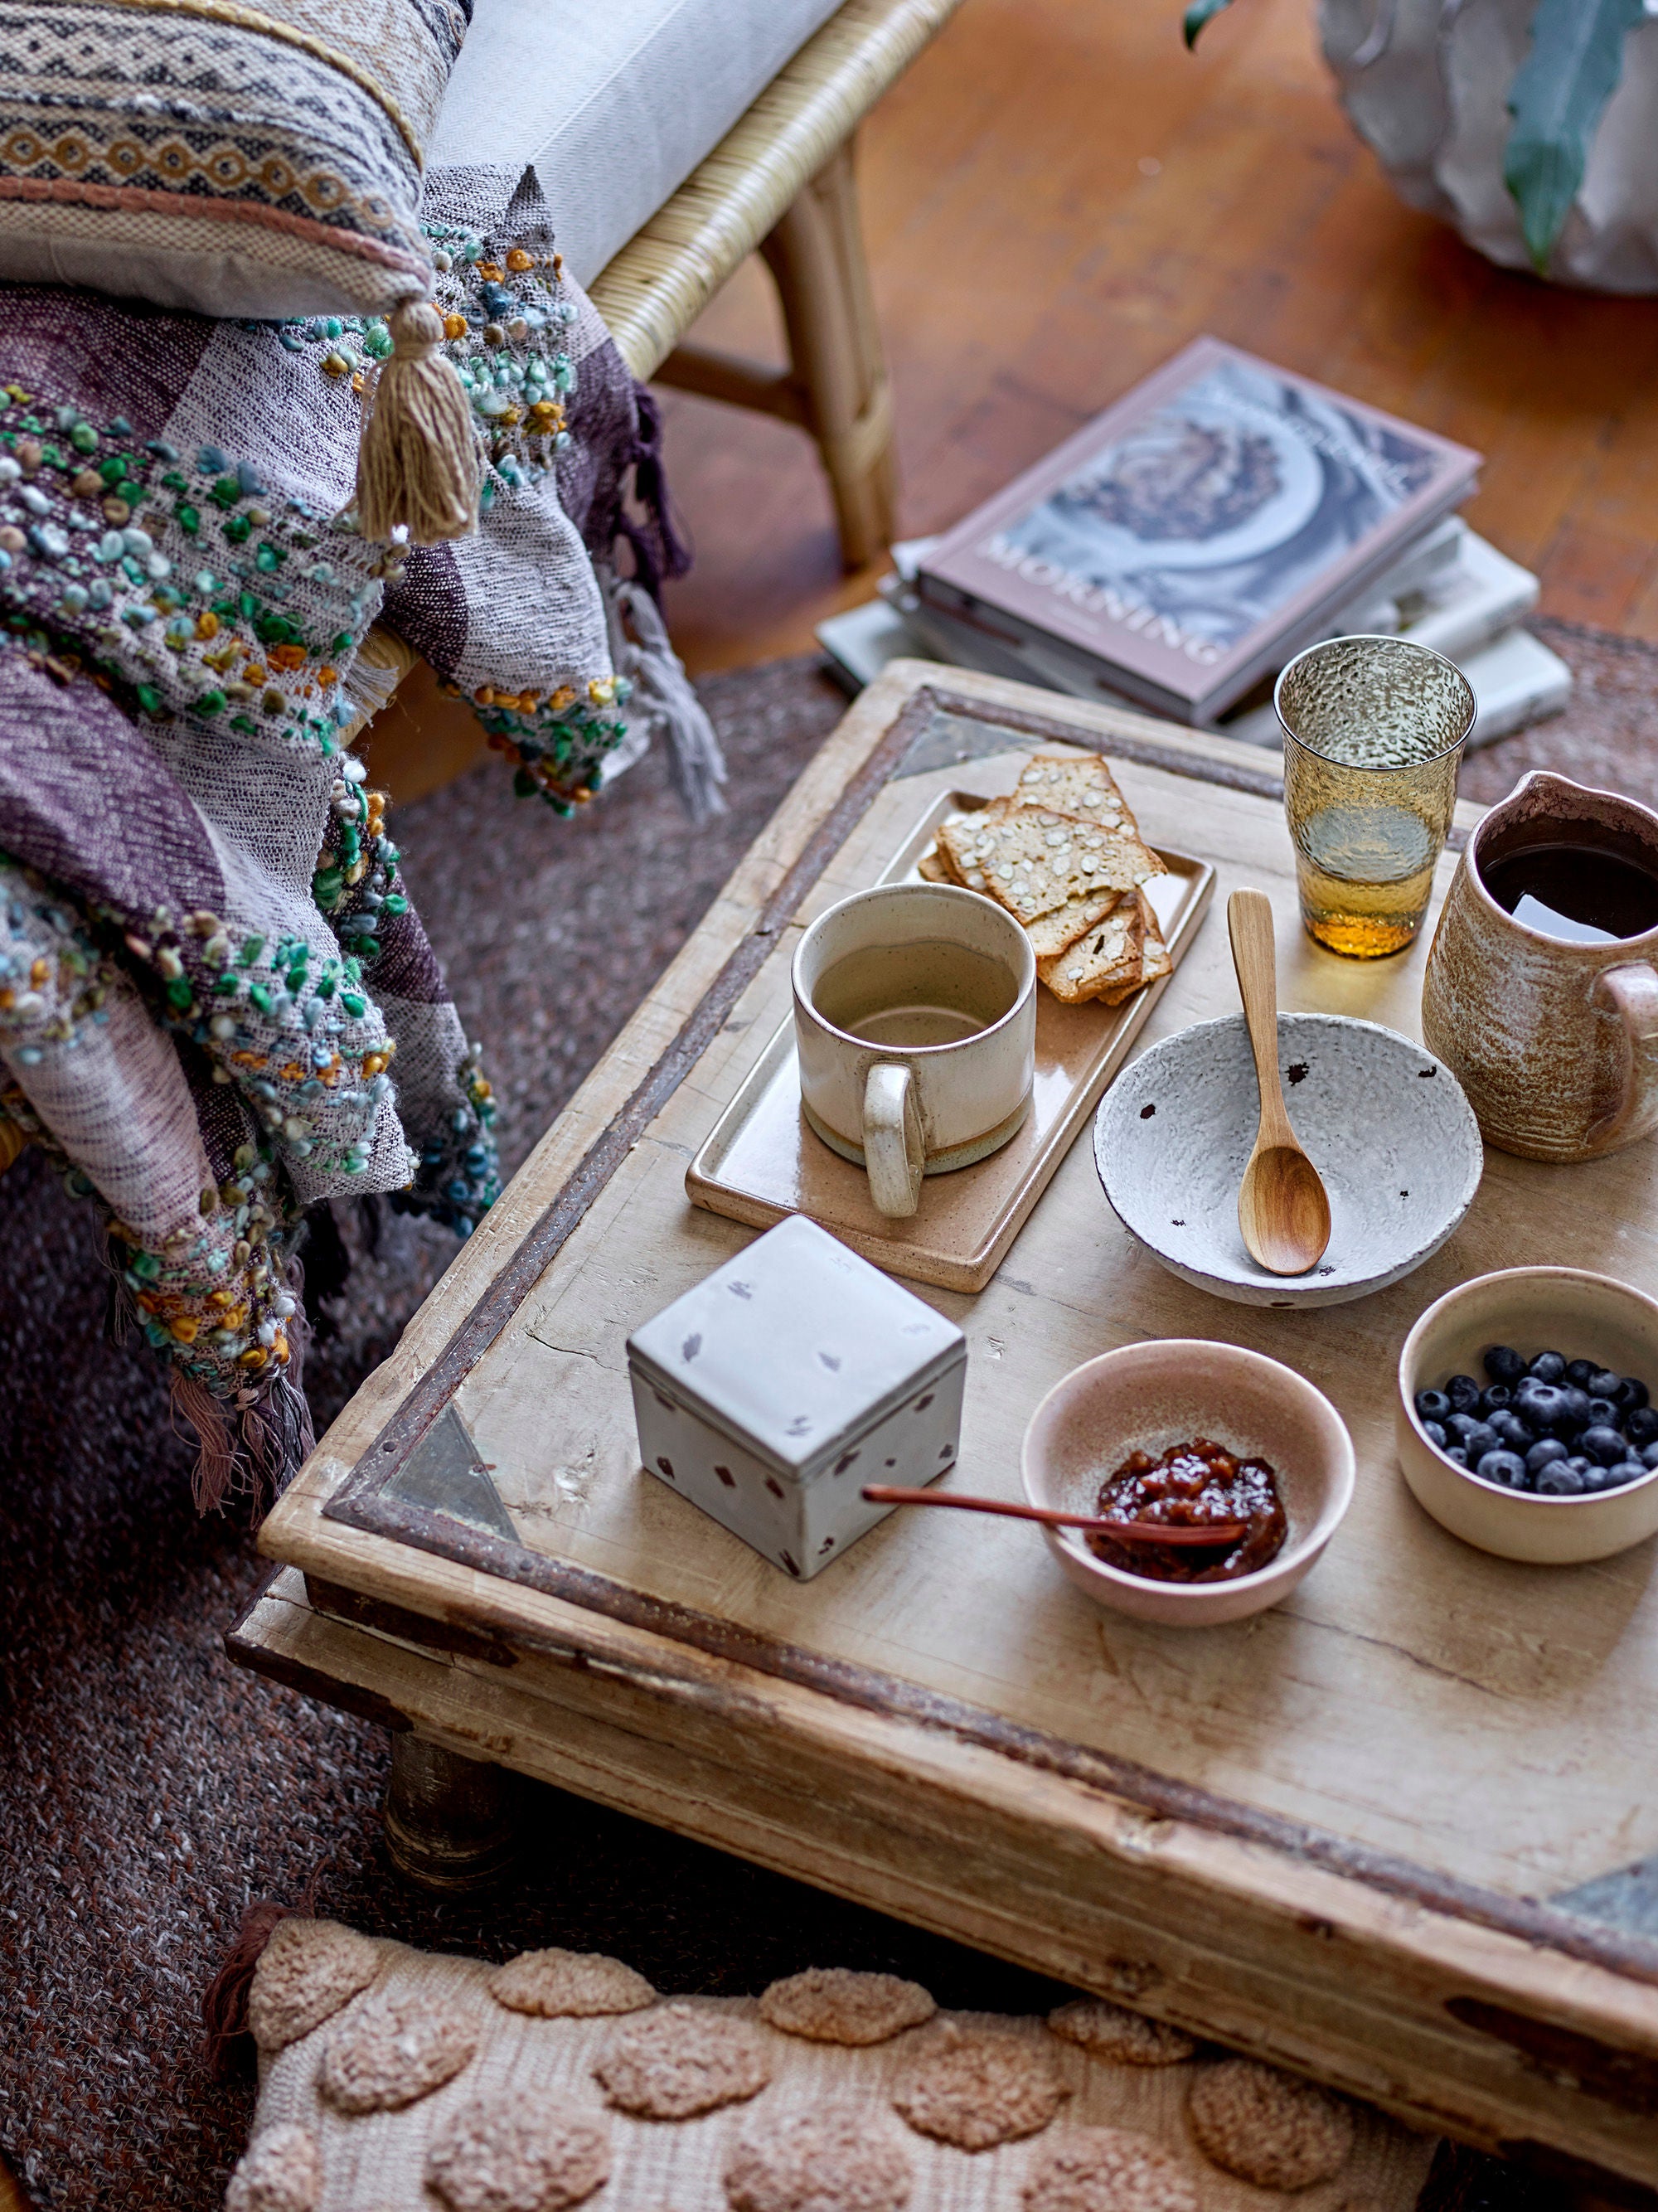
762 1162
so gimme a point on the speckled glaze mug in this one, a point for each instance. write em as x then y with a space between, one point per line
1555 1043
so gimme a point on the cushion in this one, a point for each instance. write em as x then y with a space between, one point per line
615 105
704 2105
237 162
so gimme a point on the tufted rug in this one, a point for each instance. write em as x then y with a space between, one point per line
149 1789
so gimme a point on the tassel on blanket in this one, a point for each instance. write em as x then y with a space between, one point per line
418 466
662 700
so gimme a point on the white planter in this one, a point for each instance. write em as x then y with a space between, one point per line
1426 84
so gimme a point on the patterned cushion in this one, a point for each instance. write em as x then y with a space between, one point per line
239 160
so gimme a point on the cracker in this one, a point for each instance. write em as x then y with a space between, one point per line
280 2171
1106 2170
555 1985
1074 783
932 869
682 2059
1104 962
394 2052
976 2087
828 2158
832 2004
1125 2038
1266 2126
308 1969
1050 934
504 2153
1032 858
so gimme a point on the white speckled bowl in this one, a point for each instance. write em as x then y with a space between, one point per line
1533 1308
1386 1124
1144 1397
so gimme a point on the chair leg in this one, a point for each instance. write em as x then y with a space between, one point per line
816 254
451 1823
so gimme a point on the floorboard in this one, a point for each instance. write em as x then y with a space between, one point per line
1057 198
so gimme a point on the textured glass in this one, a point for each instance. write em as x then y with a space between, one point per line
1373 734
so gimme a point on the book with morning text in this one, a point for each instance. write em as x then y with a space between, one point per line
1197 535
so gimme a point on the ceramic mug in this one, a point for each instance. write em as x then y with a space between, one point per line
916 1021
1555 1042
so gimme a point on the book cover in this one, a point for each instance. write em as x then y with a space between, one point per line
1201 527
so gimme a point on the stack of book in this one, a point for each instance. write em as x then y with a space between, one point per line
1178 551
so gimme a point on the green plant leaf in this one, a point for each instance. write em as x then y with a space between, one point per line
1199 13
1556 99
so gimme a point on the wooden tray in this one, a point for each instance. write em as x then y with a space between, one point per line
763 1161
1400 1831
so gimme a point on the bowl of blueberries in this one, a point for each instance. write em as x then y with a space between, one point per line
1525 1423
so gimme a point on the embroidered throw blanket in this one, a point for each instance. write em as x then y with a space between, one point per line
217 1003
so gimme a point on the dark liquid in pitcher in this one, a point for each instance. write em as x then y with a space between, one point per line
1575 891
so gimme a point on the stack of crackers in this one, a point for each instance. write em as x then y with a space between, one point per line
1064 856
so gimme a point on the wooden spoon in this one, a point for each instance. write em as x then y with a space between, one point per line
1128 1532
1283 1208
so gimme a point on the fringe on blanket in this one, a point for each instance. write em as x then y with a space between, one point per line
253 1446
659 549
662 701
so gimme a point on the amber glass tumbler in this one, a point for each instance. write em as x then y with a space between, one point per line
1374 729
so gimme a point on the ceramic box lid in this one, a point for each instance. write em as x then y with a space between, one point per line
795 1346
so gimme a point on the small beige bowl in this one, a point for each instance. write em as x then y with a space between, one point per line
1535 1309
1148 1396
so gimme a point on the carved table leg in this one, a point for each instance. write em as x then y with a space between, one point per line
451 1823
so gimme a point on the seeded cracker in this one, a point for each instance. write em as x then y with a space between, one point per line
1079 784
1104 962
1032 859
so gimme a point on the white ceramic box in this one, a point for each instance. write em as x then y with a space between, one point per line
791 1376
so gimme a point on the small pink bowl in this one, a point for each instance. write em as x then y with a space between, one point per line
1148 1396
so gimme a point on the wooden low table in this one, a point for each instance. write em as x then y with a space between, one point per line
1389 1834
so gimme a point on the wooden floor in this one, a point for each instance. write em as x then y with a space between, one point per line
1056 198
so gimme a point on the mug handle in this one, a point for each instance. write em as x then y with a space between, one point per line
894 1153
1631 994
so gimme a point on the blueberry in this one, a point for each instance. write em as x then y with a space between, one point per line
1504 1467
1476 1438
1649 1455
1603 1383
1516 1435
1604 1413
1576 1415
1433 1406
1504 1364
1580 1372
1543 1405
1456 1452
1579 1465
1603 1446
1545 1454
1561 1479
1640 1427
1496 1398
1632 1392
1463 1392
1548 1366
1627 1470
1435 1434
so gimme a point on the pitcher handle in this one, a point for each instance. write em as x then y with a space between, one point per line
894 1151
1631 994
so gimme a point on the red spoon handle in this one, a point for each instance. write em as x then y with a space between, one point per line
1128 1532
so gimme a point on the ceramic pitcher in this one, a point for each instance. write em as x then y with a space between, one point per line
1555 1042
